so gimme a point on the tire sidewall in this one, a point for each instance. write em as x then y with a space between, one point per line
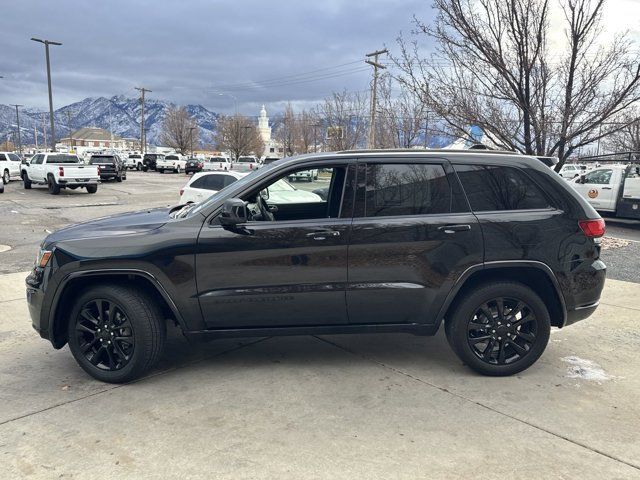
141 337
456 327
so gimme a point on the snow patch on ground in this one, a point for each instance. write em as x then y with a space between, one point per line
585 370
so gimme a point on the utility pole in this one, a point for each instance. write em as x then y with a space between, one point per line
18 124
35 135
374 87
44 132
46 48
143 143
70 132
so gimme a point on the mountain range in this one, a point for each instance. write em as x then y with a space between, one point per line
118 114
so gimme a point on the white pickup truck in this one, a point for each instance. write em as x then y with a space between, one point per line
612 188
174 162
9 166
60 170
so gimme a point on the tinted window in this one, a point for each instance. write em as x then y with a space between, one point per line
37 159
171 157
598 177
407 189
491 188
101 160
14 158
3 157
213 182
62 159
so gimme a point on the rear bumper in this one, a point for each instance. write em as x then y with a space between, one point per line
580 313
77 183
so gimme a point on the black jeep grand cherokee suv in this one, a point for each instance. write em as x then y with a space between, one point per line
496 245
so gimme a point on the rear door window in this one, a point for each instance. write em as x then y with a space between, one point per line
406 189
494 188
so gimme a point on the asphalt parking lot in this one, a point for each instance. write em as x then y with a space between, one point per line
359 406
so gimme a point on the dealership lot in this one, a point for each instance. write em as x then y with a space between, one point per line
386 406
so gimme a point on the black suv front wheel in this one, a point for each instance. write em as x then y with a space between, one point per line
499 329
116 333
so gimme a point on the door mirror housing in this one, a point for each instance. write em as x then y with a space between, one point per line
234 212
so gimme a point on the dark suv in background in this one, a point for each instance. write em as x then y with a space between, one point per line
110 167
495 245
149 161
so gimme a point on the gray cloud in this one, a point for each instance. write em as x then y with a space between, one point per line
187 51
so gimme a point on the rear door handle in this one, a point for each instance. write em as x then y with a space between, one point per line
323 234
454 228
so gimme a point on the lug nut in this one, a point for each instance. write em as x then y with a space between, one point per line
499 338
492 331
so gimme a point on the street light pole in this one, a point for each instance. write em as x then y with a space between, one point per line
46 48
18 126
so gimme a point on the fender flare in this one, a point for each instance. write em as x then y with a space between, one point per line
462 279
106 272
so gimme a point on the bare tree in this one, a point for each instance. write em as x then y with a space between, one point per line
286 132
238 135
179 129
626 139
345 116
402 119
493 68
307 125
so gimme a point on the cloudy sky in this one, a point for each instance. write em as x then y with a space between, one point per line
190 51
187 51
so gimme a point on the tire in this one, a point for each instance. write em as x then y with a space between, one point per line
139 167
26 181
1 187
485 349
54 188
118 178
92 188
161 170
144 169
179 170
6 177
142 333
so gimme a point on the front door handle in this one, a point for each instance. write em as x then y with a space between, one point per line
323 234
454 228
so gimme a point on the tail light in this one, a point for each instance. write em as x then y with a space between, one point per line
181 191
592 228
61 171
251 166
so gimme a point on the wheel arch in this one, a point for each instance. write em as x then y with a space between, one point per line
67 293
535 275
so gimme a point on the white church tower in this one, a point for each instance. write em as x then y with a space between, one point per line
263 126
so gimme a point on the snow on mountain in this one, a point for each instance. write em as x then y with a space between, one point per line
118 114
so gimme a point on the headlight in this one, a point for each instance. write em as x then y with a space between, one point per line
43 258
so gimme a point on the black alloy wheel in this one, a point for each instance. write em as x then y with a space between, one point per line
116 333
105 334
502 331
498 329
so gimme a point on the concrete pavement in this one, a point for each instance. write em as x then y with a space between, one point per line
362 406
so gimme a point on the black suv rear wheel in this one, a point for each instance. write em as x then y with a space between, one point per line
116 334
499 329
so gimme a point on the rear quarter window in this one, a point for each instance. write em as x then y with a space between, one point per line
494 188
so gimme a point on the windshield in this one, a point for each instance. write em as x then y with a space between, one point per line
101 160
63 159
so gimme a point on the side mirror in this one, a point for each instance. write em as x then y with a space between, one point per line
234 212
26 162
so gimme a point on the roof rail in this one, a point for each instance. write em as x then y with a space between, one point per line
429 150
